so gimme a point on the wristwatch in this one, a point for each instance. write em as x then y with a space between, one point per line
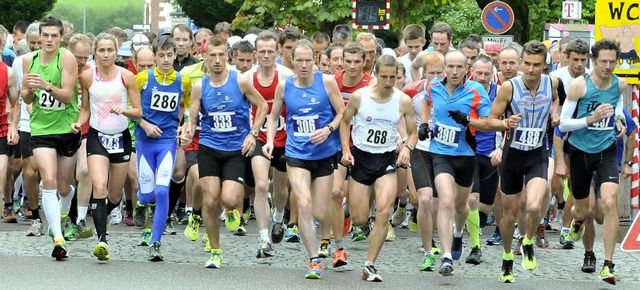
49 88
254 133
630 163
331 129
411 147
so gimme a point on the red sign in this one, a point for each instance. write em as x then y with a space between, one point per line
497 17
631 242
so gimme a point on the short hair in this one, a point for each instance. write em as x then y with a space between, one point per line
469 44
320 37
412 32
301 43
20 26
135 54
402 68
386 60
206 31
365 36
242 46
265 36
451 53
183 28
432 58
117 32
564 40
81 38
215 42
333 47
32 29
164 42
483 59
150 35
66 38
105 36
578 45
68 24
3 31
534 47
22 47
475 38
342 31
51 21
355 48
325 52
605 44
516 46
224 27
291 33
253 30
441 27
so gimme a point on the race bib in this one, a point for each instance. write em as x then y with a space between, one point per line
305 125
447 135
48 102
604 124
376 136
223 121
279 125
112 143
527 136
164 101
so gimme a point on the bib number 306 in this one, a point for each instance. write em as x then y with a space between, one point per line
305 125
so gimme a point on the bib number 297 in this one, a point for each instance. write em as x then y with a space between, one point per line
48 102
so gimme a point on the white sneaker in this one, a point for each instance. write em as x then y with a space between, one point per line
399 216
116 216
36 229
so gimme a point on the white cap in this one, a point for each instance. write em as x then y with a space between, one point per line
233 39
138 41
251 38
389 51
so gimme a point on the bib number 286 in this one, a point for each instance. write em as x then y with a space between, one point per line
165 102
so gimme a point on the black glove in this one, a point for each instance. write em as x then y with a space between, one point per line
424 132
460 117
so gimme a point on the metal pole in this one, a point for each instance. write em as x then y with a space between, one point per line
84 17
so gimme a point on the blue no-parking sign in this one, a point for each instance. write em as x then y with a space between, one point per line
497 17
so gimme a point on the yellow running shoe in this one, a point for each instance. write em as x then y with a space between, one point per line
192 231
101 251
606 275
507 272
215 260
207 243
391 236
232 221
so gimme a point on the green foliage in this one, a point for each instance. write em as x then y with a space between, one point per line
207 13
29 10
550 11
101 15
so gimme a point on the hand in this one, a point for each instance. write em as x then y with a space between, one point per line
424 132
460 117
399 146
347 159
403 158
12 136
320 135
496 156
627 171
152 130
116 110
183 137
267 149
561 169
35 81
514 121
601 112
76 127
555 120
248 145
620 127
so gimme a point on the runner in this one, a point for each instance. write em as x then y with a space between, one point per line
8 133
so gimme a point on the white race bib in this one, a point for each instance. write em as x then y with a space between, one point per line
305 125
447 135
112 143
527 136
164 101
223 121
48 102
376 136
279 125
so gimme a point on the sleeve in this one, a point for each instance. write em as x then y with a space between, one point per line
484 108
562 94
567 122
631 124
186 90
142 78
559 133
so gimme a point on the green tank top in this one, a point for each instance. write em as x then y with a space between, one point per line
50 116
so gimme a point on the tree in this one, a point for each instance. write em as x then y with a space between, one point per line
101 15
207 13
28 10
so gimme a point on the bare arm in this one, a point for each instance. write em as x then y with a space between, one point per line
345 124
499 106
256 99
134 96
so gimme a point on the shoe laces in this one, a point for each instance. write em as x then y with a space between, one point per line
324 246
528 251
507 266
341 254
371 269
313 265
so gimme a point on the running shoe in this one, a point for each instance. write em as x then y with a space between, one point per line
169 229
576 231
541 239
146 237
413 221
36 229
347 226
357 235
101 251
292 234
391 236
399 216
325 246
495 239
246 215
457 249
340 260
116 215
565 240
241 230
446 267
155 253
556 223
516 232
83 231
277 232
192 231
59 250
26 213
589 264
215 260
434 248
140 214
518 250
507 272
314 269
71 232
184 217
475 257
265 250
370 274
606 274
429 263
232 220
9 216
529 261
129 221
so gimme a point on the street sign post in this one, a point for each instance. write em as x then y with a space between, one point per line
497 17
371 14
503 40
141 26
572 10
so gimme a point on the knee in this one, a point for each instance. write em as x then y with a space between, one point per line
359 219
304 205
509 215
424 201
210 201
29 173
100 189
533 208
445 204
82 174
610 204
319 214
590 215
262 187
383 213
473 201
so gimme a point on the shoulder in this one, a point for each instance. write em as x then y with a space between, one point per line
579 82
142 77
622 83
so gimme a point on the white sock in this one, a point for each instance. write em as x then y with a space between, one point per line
82 212
264 234
278 216
52 211
456 233
65 202
188 209
447 255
